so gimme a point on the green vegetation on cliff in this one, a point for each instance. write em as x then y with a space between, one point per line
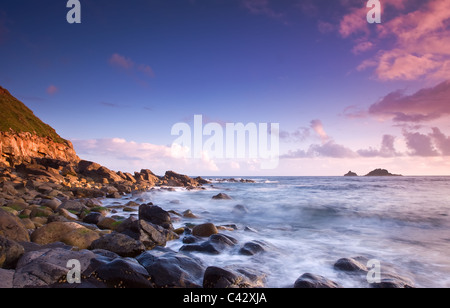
14 115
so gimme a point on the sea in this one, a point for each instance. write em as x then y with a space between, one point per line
306 224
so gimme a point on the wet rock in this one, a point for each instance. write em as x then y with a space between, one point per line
130 227
93 218
221 196
12 228
152 235
121 244
204 230
310 281
252 248
214 245
240 209
205 247
392 281
107 223
46 266
155 215
173 270
351 265
10 252
189 214
122 273
233 277
190 239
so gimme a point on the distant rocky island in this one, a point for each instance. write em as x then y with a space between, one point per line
351 173
376 172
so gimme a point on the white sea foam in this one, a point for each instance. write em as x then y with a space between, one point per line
308 223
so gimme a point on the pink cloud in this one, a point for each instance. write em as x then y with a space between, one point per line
318 128
121 61
137 71
52 90
147 70
354 23
325 27
362 47
261 7
413 44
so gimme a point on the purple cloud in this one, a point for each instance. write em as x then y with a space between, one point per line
420 145
424 105
387 149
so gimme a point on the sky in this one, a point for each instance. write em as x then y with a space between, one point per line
345 94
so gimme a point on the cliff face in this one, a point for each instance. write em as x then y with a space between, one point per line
23 136
18 148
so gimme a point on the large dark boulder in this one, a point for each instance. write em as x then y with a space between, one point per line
171 269
121 244
119 273
354 265
214 245
155 215
310 281
233 277
48 266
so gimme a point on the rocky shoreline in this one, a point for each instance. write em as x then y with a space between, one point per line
51 212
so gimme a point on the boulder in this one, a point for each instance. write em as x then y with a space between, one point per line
70 233
45 267
130 227
122 273
204 230
93 218
239 210
10 252
171 269
152 235
392 281
155 215
214 245
178 180
121 244
107 223
233 277
310 281
12 228
221 196
73 206
351 265
51 203
252 248
97 172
